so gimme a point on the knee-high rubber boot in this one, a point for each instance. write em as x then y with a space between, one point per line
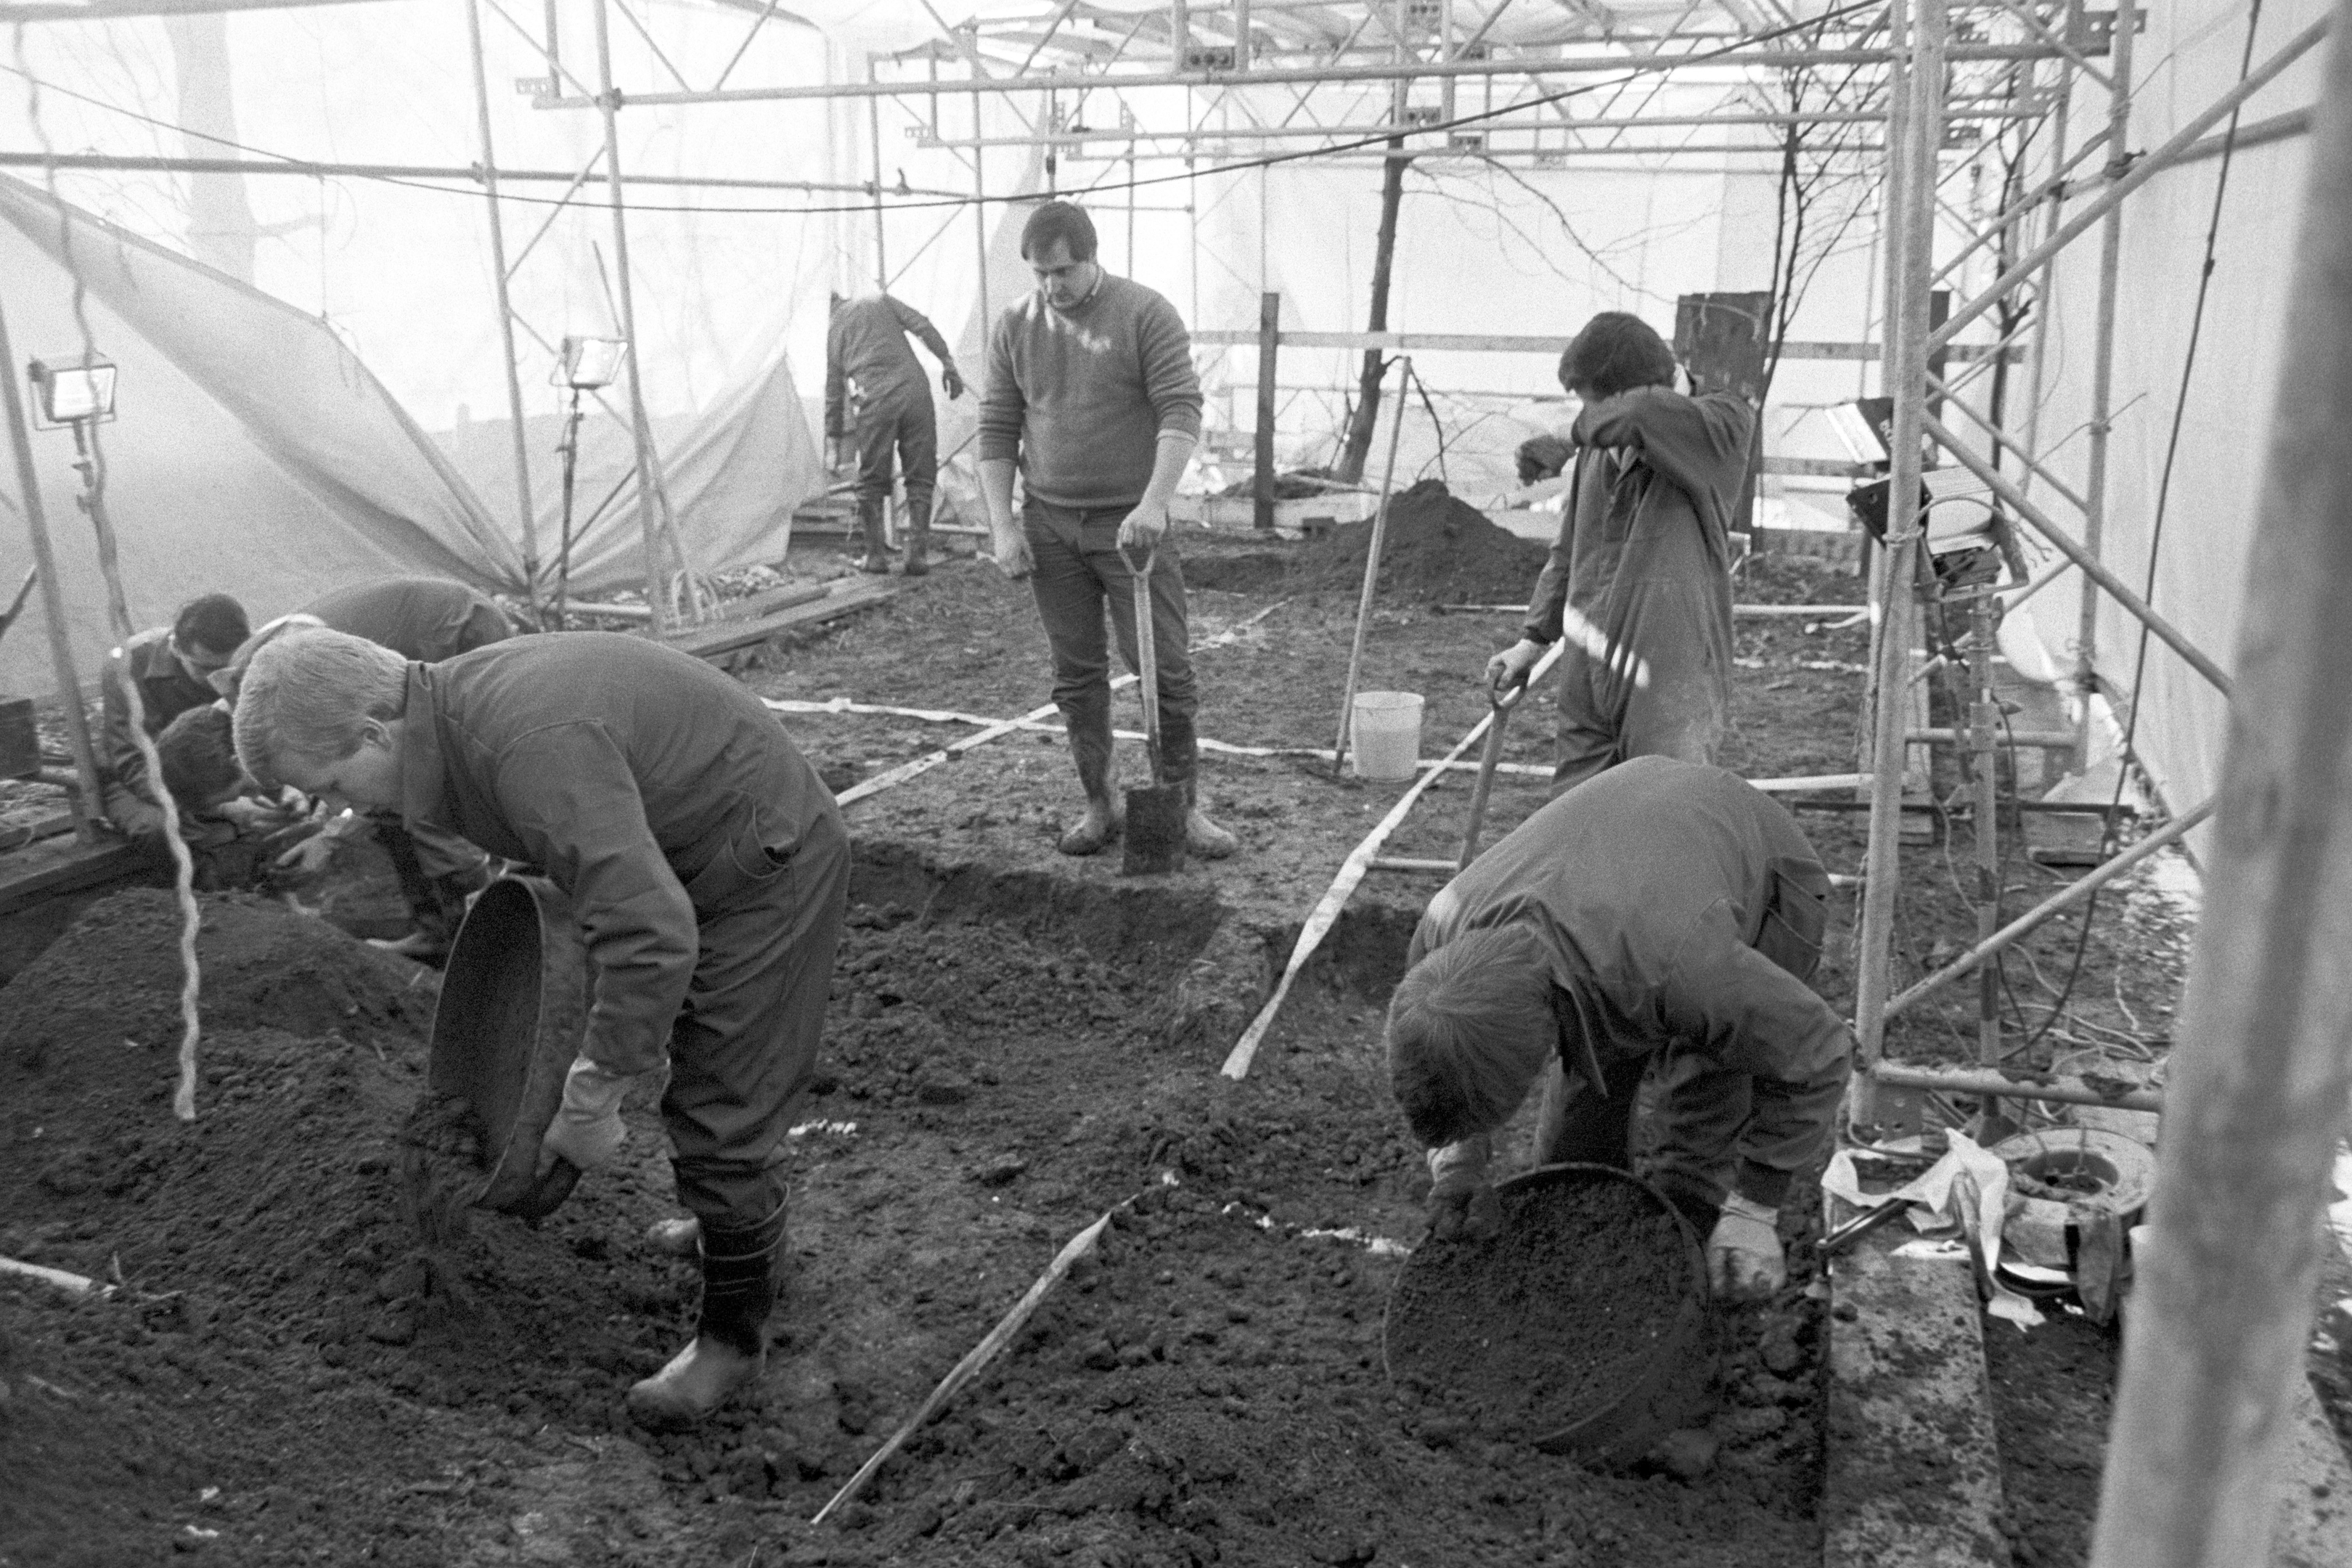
876 558
729 1348
918 534
1106 814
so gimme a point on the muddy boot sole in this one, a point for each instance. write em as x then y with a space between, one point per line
1206 840
698 1381
1090 839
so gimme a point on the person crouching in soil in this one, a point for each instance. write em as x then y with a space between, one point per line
1662 916
705 863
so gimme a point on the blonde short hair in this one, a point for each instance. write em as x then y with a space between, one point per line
1470 1028
309 693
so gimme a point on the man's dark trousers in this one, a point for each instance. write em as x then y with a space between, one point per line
898 420
1077 571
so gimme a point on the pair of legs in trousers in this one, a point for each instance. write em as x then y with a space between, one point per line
741 1054
899 421
1660 687
1078 572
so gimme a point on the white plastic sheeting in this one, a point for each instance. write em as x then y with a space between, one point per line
2189 55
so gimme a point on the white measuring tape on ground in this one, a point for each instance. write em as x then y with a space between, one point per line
1351 873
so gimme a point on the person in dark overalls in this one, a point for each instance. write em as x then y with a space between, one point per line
1663 909
1639 580
866 348
705 861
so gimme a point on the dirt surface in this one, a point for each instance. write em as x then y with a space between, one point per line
1553 1320
1019 1043
2052 1388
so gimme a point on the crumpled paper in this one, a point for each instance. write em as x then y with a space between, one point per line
1969 1175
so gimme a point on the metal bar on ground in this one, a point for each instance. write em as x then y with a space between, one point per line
1371 571
2221 1305
2063 1091
2066 899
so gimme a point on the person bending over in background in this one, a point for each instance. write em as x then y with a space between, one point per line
1664 913
425 619
866 346
172 666
1639 580
1091 389
705 863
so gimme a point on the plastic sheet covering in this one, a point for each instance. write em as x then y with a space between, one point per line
252 453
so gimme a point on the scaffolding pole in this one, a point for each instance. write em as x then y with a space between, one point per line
2214 1345
1909 261
2103 381
640 431
90 803
506 311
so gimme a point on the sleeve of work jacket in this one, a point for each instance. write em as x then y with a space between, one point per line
1749 1014
915 321
570 796
1697 443
836 378
1547 605
119 745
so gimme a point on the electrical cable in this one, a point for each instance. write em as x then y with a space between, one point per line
2155 525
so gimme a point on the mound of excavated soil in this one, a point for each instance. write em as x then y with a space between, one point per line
1434 548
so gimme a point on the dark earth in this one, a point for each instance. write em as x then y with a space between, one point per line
1019 1043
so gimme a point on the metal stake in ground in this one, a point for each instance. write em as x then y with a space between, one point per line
1371 574
1155 815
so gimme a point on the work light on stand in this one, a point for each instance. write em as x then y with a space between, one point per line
583 364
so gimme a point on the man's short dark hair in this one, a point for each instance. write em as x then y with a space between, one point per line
198 751
1063 221
214 623
1616 353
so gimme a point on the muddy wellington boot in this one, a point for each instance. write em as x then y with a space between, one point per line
1203 838
918 536
876 558
1106 814
730 1349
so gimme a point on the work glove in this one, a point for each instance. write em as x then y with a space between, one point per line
952 382
1743 1253
587 1129
1462 1206
1509 667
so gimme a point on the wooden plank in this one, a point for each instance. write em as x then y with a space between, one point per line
45 871
1907 1382
725 637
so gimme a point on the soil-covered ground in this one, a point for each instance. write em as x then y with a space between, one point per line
1018 1044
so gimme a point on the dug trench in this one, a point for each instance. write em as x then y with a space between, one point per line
286 1374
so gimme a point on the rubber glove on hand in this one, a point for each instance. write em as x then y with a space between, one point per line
1744 1262
1463 1207
587 1129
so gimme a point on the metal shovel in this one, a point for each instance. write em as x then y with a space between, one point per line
1155 815
1498 710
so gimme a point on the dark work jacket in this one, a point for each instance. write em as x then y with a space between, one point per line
165 692
427 619
645 784
1673 903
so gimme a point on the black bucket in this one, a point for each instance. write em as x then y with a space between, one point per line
512 1010
1502 1315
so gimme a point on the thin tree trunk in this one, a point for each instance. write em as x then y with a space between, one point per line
1350 467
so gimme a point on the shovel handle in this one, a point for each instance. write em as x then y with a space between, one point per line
1498 713
1147 655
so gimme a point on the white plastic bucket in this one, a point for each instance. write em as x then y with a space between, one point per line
1386 734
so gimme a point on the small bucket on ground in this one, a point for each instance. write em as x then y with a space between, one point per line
1385 736
512 1010
1580 1328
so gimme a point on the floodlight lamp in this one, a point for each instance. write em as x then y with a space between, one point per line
585 364
69 392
